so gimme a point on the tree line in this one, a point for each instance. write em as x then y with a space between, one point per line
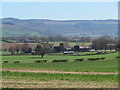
100 43
105 42
25 49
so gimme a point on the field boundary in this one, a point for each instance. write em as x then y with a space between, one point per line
60 72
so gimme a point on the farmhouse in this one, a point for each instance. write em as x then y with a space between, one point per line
84 49
59 48
69 52
92 50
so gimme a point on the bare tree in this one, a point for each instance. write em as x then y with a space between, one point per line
103 42
12 50
40 50
25 48
17 48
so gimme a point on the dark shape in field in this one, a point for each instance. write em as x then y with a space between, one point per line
5 61
117 57
42 54
93 59
17 62
35 57
39 61
77 60
59 60
102 58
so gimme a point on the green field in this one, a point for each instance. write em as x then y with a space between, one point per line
28 62
45 80
53 80
5 52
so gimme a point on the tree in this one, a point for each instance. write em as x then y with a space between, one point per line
43 53
12 50
25 48
44 39
103 42
17 48
40 49
43 48
66 40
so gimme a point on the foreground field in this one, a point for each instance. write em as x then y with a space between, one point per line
45 80
71 74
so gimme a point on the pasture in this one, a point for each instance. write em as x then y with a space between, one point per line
60 80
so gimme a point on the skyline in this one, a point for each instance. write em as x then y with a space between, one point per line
60 10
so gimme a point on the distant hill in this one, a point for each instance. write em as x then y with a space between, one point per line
44 27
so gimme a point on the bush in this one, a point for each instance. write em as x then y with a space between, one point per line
97 58
17 62
5 61
44 60
102 58
117 57
59 60
39 61
92 59
76 60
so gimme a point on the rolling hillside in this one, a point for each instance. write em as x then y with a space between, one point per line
44 27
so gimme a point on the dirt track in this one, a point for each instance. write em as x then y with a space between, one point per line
61 72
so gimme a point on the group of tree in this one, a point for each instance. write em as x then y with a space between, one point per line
105 42
24 48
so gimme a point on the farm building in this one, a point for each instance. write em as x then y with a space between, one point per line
84 49
59 48
81 48
69 52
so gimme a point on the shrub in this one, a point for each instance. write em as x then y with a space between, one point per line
117 57
59 60
96 58
17 62
5 61
39 61
102 58
92 59
44 60
76 60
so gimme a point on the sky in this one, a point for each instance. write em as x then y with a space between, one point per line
60 10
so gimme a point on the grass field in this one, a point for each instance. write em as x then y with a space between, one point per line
44 80
28 62
56 80
5 52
